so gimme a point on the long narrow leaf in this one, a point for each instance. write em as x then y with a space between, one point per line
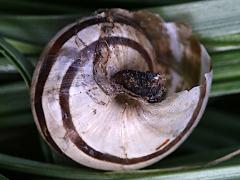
225 88
14 98
34 29
220 18
44 169
24 67
208 19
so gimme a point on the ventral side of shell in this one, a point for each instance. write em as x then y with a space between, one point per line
120 90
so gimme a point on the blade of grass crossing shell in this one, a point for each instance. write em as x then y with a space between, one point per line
195 158
185 172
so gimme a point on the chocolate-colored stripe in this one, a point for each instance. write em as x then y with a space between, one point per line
163 144
73 134
49 60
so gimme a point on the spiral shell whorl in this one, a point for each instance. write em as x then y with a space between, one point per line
75 104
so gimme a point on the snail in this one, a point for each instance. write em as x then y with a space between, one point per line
120 90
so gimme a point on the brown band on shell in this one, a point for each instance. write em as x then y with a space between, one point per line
163 144
49 60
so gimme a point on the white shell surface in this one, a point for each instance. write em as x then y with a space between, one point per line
124 130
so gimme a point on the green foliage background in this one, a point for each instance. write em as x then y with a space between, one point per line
26 26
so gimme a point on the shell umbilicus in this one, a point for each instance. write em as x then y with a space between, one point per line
120 90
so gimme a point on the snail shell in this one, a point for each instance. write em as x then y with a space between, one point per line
84 114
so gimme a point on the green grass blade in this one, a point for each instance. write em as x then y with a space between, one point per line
14 98
227 40
24 67
226 58
225 88
25 48
208 19
33 167
226 68
7 71
16 119
195 158
221 18
44 169
33 28
227 72
223 173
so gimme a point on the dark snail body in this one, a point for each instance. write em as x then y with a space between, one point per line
148 85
